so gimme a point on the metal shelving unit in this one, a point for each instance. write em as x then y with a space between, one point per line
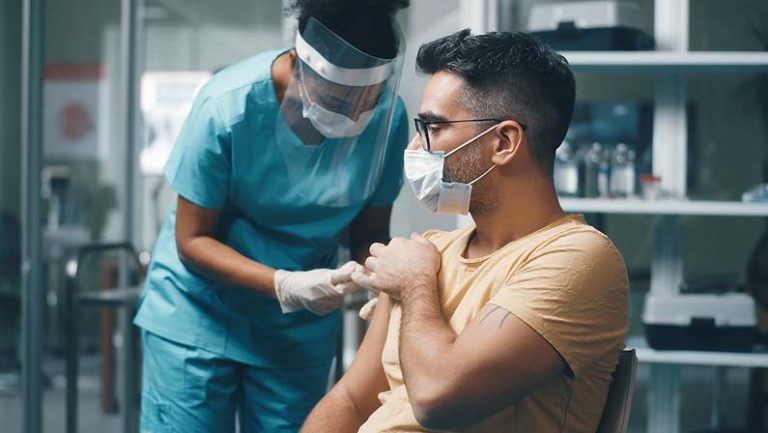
665 207
663 62
668 64
755 359
708 359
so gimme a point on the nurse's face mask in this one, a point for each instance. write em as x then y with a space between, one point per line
349 97
425 171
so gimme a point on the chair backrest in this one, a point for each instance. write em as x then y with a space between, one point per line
74 269
616 413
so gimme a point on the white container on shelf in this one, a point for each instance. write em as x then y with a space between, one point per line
584 15
566 171
622 171
594 161
718 322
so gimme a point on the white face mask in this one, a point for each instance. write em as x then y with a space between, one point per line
330 123
424 171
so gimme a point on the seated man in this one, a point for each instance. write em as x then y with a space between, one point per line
515 323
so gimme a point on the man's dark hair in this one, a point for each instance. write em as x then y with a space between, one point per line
368 25
509 75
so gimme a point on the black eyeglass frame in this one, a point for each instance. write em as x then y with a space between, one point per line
422 127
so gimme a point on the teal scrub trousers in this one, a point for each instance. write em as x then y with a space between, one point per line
190 390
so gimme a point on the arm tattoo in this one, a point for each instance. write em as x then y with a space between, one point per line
504 319
495 308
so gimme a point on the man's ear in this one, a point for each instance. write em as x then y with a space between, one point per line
509 139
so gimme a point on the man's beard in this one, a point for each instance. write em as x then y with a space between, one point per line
468 166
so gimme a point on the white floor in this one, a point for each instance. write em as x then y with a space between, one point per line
91 418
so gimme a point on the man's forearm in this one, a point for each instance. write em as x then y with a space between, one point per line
335 413
426 340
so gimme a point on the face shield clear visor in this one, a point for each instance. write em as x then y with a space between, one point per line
348 99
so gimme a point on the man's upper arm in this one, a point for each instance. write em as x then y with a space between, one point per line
574 295
365 378
497 360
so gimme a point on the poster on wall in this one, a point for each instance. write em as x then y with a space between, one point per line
75 112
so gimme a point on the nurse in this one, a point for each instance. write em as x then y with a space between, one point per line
280 154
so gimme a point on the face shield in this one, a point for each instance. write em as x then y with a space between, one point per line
345 99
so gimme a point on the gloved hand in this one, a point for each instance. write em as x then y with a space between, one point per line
319 291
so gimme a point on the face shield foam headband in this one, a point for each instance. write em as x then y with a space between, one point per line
354 77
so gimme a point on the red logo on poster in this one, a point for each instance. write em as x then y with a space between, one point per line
75 121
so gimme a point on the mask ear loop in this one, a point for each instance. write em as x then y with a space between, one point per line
468 142
482 175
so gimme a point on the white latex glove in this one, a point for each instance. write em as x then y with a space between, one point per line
361 279
319 291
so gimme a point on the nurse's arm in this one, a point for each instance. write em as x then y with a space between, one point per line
370 226
201 252
355 397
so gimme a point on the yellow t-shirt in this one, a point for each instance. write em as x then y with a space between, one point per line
568 282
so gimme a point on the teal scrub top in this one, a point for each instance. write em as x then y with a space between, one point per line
227 157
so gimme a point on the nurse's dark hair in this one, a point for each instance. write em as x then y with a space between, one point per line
365 24
509 75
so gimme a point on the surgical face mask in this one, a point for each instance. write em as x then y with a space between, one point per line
424 171
330 123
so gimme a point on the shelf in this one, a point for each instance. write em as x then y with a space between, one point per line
664 207
661 61
694 357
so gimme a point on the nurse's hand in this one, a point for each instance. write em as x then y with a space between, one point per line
319 291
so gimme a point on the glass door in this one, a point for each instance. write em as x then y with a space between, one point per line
11 402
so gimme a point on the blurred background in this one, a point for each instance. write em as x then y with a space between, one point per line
667 154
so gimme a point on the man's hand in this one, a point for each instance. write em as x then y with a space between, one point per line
402 266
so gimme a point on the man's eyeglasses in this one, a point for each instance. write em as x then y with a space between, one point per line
422 127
